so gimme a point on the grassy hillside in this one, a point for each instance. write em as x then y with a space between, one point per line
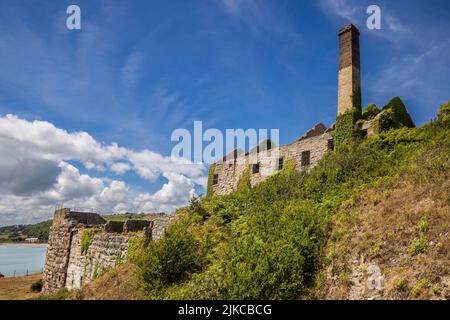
379 203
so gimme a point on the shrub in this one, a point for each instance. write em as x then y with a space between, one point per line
370 112
273 255
36 286
418 246
401 285
418 288
393 116
170 260
196 208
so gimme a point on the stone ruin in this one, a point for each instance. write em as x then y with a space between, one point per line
66 266
307 150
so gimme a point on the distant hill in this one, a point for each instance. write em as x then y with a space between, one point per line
18 233
131 216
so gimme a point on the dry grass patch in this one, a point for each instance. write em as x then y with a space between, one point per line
120 283
18 288
403 231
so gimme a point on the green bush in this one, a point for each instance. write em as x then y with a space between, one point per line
36 286
273 254
393 116
170 260
418 246
370 112
196 208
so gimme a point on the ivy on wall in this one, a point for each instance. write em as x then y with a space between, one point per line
209 186
346 130
244 183
86 240
356 100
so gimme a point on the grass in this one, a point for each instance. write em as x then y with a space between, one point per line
18 288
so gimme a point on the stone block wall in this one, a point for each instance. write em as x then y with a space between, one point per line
65 225
105 251
66 266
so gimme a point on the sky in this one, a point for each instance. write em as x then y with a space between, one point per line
86 116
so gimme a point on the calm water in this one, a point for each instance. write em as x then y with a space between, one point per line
21 257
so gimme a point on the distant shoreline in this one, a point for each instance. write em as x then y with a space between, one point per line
23 244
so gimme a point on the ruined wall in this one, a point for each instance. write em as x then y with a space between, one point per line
229 172
66 266
105 251
65 225
160 225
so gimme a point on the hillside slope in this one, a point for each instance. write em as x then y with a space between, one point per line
369 222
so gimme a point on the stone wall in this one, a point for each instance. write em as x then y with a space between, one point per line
65 225
105 251
66 266
316 141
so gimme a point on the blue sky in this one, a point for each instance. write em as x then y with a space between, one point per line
137 70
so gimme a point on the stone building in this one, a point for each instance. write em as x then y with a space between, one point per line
307 150
70 264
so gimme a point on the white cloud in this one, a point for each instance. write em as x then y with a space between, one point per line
120 167
36 173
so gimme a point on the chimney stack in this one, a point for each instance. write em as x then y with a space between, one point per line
349 67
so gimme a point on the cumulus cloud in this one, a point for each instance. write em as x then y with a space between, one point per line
38 170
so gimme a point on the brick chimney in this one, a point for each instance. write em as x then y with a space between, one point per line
349 67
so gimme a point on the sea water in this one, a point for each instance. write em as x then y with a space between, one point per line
20 259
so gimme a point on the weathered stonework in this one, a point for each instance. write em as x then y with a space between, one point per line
315 142
66 266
